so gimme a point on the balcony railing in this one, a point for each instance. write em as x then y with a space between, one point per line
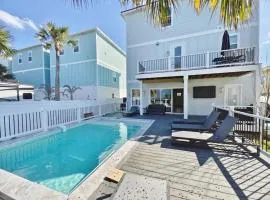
232 57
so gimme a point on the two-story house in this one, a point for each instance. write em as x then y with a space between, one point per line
31 66
96 65
182 66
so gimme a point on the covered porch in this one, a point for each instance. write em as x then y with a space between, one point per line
194 92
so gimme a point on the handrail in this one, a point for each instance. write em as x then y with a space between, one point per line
208 59
243 113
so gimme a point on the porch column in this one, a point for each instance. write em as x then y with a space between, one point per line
141 97
185 96
257 90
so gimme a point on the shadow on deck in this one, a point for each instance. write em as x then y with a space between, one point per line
195 173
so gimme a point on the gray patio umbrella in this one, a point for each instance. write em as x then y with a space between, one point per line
225 42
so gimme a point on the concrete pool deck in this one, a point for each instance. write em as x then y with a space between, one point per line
192 173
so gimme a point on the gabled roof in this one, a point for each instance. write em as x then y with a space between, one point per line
103 35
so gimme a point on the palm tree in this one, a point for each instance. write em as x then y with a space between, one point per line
4 74
5 39
232 12
47 91
70 90
55 36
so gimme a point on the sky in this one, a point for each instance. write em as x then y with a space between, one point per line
23 18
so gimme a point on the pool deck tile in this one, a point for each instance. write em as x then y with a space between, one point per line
137 187
15 187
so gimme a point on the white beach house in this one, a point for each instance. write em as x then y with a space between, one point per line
181 64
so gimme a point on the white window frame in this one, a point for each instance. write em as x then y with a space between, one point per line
29 52
226 93
166 27
131 103
20 58
114 77
237 39
164 88
78 44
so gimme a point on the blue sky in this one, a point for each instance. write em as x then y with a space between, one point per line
23 17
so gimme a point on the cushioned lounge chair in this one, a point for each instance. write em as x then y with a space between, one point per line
194 121
134 110
206 126
219 136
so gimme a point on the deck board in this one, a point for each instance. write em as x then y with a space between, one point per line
197 173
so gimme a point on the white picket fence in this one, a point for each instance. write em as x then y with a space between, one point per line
26 118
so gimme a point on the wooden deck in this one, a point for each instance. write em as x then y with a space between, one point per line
194 173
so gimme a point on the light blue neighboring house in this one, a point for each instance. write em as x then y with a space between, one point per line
96 64
31 66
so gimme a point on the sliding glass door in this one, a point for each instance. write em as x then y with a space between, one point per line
162 96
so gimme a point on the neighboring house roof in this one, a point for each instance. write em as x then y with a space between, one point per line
29 47
104 36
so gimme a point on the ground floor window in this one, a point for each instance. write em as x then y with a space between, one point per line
135 97
162 96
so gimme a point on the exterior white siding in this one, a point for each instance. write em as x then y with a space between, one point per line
196 34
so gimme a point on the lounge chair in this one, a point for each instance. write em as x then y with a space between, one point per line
206 126
194 121
219 136
134 110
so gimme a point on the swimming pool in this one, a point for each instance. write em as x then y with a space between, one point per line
62 160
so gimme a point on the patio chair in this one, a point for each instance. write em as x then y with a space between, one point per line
194 121
134 110
206 126
220 135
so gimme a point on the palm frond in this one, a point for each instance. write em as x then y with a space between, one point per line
5 40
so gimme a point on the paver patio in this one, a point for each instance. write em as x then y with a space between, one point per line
193 173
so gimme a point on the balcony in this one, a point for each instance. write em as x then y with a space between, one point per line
216 59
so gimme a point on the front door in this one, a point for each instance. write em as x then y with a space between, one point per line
178 100
233 95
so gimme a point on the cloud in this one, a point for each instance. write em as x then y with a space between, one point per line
17 22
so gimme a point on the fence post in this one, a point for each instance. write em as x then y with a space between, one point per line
79 117
44 120
231 111
207 59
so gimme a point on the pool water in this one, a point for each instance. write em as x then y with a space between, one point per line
62 160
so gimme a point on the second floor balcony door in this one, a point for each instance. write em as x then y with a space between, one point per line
177 57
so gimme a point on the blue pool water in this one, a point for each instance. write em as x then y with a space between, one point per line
60 161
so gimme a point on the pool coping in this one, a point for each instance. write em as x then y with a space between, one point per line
15 187
91 183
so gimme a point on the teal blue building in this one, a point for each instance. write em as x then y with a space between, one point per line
31 66
96 64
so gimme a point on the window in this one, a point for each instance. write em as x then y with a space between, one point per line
29 56
233 41
76 49
114 77
20 58
62 52
168 19
162 96
204 92
135 97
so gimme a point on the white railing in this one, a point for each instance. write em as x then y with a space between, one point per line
252 126
213 59
41 116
